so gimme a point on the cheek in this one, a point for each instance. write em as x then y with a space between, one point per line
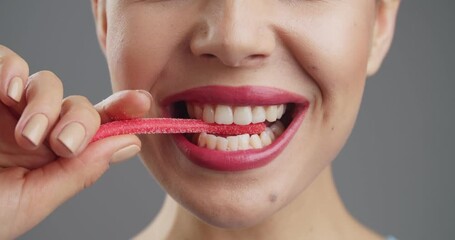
141 42
333 46
333 51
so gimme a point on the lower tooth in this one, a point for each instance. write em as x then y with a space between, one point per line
202 140
241 142
233 143
265 139
211 141
277 128
244 142
221 143
270 133
255 141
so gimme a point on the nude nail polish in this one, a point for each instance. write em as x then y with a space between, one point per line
16 89
35 128
72 136
125 153
146 94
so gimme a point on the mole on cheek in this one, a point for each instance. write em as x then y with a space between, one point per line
272 198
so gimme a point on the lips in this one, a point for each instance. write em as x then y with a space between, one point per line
282 111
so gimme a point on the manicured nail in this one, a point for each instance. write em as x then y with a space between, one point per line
16 89
147 94
72 136
125 153
35 128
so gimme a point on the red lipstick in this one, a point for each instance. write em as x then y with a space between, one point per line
245 95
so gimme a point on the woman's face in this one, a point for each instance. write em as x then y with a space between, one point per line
233 61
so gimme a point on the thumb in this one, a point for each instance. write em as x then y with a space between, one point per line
58 181
125 104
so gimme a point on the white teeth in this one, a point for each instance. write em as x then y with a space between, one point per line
240 115
233 143
240 142
258 114
255 141
271 113
208 114
197 112
270 133
221 143
281 110
202 140
244 142
211 141
243 115
265 139
224 114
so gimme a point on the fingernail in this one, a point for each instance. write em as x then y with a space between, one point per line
147 94
35 128
72 136
15 89
125 153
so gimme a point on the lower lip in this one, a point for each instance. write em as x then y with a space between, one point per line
240 160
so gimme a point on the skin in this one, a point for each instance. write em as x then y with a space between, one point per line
323 50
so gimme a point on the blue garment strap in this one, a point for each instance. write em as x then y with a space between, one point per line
391 238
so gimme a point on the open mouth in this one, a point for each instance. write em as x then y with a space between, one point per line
276 117
281 111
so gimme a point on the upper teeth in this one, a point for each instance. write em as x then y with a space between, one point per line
240 115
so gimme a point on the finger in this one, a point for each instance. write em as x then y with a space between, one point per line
13 75
78 122
62 179
125 104
44 93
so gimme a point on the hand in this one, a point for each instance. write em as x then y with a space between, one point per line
45 155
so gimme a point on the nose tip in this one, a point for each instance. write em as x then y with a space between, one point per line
234 40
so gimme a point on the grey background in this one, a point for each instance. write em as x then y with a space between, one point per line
395 174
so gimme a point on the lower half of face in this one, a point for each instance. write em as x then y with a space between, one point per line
301 73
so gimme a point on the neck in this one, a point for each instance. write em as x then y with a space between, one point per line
317 213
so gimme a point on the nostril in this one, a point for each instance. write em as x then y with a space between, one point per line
251 60
256 57
208 55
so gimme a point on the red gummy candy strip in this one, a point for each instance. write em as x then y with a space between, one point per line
172 125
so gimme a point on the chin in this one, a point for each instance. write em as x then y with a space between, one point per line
229 212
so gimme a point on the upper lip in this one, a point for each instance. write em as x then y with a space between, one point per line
243 95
